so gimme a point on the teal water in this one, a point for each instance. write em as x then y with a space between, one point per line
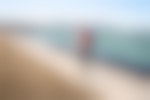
131 49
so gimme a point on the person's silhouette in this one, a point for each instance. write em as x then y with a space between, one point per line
86 39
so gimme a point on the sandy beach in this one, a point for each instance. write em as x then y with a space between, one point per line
36 62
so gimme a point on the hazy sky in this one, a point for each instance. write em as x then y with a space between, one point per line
116 10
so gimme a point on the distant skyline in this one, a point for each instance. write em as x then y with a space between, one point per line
113 10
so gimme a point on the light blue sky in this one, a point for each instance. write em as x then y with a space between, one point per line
76 9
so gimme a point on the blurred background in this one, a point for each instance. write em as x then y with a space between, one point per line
113 35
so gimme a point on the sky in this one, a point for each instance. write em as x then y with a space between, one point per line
113 10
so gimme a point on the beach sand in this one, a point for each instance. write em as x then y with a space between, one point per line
31 70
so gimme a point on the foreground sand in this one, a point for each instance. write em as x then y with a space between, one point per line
33 71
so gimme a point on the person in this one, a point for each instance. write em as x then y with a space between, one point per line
85 41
